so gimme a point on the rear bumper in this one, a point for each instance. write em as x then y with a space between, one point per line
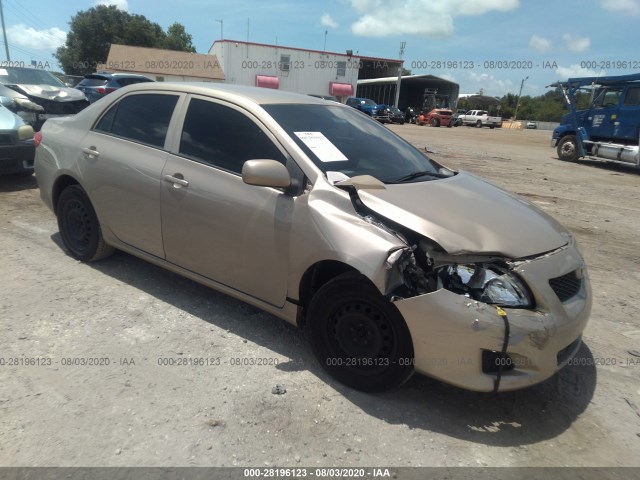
450 332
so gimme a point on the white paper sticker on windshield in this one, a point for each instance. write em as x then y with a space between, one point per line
321 146
3 71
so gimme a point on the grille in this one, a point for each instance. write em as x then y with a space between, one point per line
566 286
62 108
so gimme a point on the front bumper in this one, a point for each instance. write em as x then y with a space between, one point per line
450 331
17 158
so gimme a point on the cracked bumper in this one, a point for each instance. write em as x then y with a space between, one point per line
450 331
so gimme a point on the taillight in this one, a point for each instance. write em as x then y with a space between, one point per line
37 138
110 89
100 90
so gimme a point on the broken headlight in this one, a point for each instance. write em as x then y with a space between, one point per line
28 105
486 283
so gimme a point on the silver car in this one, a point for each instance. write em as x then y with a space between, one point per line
315 213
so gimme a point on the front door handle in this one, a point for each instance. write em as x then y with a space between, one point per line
91 152
177 182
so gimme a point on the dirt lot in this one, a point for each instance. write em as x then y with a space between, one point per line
133 316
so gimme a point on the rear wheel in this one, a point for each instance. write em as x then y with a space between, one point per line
79 226
358 336
568 149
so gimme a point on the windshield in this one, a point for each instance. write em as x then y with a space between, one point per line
368 101
28 76
364 147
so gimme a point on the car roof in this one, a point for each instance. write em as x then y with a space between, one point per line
257 95
108 76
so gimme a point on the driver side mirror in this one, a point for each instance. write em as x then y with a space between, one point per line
265 173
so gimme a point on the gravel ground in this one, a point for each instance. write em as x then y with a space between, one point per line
134 408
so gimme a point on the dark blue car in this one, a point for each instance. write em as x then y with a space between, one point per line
366 105
97 85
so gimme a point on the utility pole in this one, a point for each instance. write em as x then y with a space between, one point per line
324 48
4 32
515 116
402 45
221 29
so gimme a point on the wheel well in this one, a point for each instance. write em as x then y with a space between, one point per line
315 277
61 183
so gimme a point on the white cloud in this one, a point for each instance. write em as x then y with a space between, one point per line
328 22
29 37
489 84
575 71
631 7
121 4
380 18
576 43
540 44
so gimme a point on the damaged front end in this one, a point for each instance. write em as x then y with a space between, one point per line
484 321
489 323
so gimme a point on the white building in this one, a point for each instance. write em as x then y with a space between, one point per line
293 69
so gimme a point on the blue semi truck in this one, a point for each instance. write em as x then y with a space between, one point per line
609 129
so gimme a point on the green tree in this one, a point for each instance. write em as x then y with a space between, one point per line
178 39
92 32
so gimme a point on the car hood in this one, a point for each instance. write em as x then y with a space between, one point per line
48 92
465 214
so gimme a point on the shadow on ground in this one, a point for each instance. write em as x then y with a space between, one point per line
506 419
16 183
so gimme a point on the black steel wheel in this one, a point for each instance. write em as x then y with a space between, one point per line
358 336
79 226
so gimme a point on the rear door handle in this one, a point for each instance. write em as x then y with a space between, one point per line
91 152
177 182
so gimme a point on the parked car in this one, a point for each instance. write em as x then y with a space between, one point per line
455 120
325 97
315 213
395 115
38 95
371 108
532 125
97 85
16 142
480 118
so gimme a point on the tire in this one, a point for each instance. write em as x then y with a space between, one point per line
491 127
358 336
434 122
568 149
479 124
79 226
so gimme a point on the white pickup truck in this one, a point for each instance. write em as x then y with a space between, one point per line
480 118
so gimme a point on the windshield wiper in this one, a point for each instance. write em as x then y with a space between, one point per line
414 175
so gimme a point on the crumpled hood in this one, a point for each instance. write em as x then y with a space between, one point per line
465 214
48 92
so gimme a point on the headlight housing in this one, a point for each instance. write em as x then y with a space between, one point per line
28 105
487 283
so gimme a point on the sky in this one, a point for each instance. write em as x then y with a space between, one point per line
484 45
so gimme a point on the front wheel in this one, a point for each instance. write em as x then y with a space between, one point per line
479 124
568 149
358 336
79 226
434 122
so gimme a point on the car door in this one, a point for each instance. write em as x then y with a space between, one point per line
212 222
123 158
